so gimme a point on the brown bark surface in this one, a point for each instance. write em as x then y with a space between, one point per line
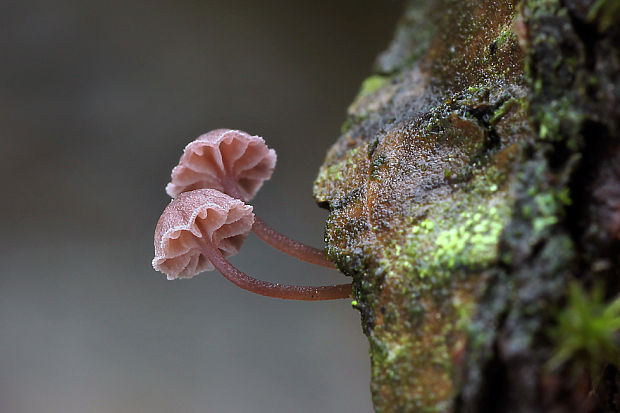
477 176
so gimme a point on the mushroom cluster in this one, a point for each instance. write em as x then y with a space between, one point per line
209 217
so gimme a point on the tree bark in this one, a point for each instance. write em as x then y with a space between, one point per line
476 177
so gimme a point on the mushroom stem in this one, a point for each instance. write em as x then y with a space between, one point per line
287 292
278 240
289 246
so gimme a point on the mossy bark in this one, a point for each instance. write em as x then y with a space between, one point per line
478 172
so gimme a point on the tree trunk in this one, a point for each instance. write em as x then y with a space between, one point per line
476 178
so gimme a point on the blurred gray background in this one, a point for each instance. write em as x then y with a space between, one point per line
97 100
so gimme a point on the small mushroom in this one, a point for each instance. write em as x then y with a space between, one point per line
199 228
221 155
237 164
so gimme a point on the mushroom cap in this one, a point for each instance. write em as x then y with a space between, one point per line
194 217
221 153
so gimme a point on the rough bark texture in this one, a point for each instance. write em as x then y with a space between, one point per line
477 174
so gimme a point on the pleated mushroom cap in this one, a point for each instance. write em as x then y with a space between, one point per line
195 217
219 155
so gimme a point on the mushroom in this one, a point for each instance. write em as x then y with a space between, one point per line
237 164
220 155
199 228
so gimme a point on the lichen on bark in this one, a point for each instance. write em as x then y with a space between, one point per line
452 193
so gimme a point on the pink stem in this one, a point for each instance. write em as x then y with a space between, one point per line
289 246
287 292
277 240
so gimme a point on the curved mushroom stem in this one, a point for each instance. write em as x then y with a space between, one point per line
287 292
279 241
289 246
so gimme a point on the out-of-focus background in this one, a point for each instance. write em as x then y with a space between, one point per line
97 100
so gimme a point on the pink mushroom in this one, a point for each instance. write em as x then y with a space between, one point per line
237 164
200 228
221 155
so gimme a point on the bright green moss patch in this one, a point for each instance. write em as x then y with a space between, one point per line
455 235
586 329
471 243
437 248
372 84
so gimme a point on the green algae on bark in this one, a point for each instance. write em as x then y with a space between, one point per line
449 193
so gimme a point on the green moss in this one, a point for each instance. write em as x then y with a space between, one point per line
455 235
586 330
468 239
472 242
464 309
505 35
607 12
545 207
558 119
334 173
502 110
372 84
563 196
